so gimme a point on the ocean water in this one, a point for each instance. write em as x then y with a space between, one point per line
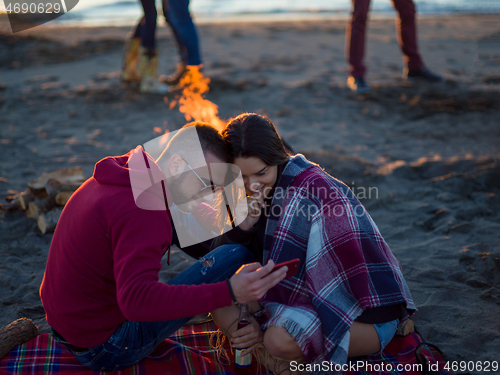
127 12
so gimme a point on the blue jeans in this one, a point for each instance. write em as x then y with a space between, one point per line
133 341
177 15
386 332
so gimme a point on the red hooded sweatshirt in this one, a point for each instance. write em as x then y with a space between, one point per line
104 261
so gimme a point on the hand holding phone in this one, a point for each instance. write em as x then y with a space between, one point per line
292 265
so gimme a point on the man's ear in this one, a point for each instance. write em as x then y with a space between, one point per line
176 165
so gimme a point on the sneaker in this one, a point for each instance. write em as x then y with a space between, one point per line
358 85
421 74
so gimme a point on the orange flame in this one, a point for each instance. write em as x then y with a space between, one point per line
192 102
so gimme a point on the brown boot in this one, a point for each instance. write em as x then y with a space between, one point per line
192 80
130 60
174 78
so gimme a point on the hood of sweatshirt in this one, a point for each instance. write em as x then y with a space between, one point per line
136 170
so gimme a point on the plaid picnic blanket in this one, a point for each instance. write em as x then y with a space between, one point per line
188 352
185 352
400 357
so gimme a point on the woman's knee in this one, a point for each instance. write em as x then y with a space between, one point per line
364 340
225 316
279 343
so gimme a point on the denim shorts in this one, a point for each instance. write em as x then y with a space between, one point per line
386 332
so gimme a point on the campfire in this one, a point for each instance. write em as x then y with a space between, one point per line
191 101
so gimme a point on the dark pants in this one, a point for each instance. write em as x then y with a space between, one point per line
406 31
177 15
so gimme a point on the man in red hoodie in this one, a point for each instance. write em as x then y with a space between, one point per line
101 290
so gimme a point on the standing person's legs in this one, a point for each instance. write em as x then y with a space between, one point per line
148 24
178 17
406 27
148 59
355 37
133 341
138 28
178 38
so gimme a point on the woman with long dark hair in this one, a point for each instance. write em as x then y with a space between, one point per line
348 296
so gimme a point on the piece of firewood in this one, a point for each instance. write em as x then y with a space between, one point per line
20 201
32 212
64 179
25 198
15 334
47 222
9 206
39 206
66 175
29 195
63 197
54 186
61 191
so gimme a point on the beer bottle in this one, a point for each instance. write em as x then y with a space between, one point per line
241 364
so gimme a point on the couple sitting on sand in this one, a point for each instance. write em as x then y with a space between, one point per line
101 291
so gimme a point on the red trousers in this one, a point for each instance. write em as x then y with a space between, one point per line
406 27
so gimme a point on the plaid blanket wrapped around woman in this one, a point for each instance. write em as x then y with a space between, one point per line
345 264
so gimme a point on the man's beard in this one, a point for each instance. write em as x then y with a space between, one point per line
179 198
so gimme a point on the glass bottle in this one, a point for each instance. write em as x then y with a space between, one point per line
242 363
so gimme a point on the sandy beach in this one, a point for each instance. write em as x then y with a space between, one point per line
424 159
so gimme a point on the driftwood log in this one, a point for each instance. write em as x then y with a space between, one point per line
15 334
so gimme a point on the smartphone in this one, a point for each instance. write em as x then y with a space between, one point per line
292 265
